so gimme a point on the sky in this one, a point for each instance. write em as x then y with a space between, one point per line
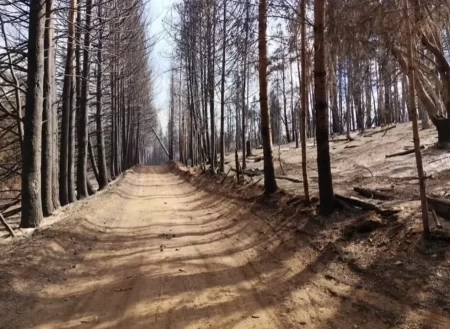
160 61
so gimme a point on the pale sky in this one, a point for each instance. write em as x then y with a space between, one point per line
160 61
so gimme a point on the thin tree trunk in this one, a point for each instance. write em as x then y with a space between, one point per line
67 98
244 86
222 91
415 126
270 184
82 190
74 105
92 160
102 172
211 88
304 107
48 109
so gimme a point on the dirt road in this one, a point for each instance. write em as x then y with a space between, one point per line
156 252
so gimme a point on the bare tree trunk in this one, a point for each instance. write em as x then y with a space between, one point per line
92 160
171 116
102 172
67 106
48 110
211 87
415 126
244 76
82 190
31 156
323 152
74 105
222 91
304 107
270 184
283 76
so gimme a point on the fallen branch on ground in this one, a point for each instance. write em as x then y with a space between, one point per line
257 172
250 173
223 180
291 179
5 223
402 153
360 204
13 212
9 205
380 131
341 140
372 194
254 183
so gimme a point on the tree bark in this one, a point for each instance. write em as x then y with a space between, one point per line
82 191
66 109
222 91
304 107
48 110
323 152
102 172
270 184
415 126
31 156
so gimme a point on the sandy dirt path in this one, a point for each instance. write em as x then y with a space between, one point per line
157 252
150 253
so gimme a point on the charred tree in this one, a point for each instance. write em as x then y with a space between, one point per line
31 157
322 134
270 184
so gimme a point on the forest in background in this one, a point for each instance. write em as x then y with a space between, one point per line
76 100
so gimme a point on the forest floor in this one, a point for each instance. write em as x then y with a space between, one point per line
177 248
363 163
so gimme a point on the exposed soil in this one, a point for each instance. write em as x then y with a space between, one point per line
179 250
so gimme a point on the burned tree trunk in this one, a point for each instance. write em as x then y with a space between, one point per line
304 106
222 91
102 172
48 110
31 157
66 110
270 184
323 151
82 190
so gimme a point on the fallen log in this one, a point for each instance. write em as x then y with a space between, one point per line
249 173
380 131
373 194
13 212
440 205
341 140
360 204
291 179
255 159
351 146
403 153
8 228
257 172
9 205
